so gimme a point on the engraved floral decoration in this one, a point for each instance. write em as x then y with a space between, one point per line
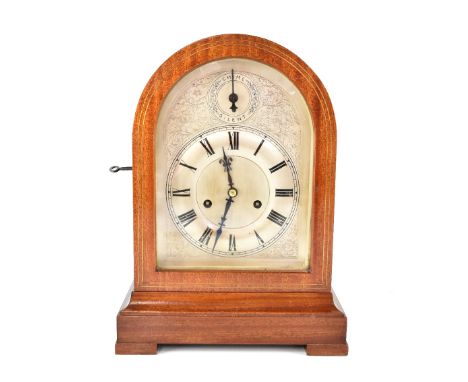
192 114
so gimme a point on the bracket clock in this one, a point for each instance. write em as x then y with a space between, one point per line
234 147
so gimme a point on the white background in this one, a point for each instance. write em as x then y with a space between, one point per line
71 75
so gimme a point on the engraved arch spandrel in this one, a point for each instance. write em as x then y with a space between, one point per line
197 91
192 113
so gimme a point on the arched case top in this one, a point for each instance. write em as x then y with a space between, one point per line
147 277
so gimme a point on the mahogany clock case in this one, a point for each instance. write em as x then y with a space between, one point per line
232 307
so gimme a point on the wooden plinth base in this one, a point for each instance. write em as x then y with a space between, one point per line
148 319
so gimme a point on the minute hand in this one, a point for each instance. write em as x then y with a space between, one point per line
223 219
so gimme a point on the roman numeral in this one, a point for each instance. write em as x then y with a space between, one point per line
284 192
188 166
187 217
184 192
259 147
276 217
277 167
205 237
206 145
234 140
232 243
259 238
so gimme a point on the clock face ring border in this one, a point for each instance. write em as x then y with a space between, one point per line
323 173
225 128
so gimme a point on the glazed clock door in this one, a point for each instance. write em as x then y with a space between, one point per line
233 154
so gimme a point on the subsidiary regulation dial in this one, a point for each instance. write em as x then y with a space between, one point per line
233 97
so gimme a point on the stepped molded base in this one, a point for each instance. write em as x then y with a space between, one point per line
148 319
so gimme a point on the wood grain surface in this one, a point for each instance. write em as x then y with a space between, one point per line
155 318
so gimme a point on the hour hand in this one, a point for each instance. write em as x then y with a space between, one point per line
227 166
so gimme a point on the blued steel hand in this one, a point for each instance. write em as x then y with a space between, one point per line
232 192
229 201
233 98
227 167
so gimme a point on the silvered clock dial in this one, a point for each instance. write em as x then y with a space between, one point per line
236 170
232 191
